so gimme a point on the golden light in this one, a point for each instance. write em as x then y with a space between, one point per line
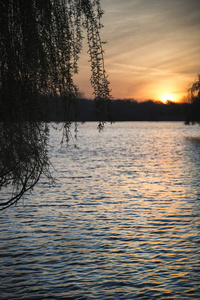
166 97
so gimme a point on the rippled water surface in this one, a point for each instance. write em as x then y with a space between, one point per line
122 221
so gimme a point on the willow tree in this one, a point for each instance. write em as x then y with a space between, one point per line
193 113
40 43
23 159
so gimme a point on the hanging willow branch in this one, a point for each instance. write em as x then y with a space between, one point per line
40 43
23 159
99 79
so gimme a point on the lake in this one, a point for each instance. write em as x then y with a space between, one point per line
121 222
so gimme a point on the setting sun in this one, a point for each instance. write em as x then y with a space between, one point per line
166 97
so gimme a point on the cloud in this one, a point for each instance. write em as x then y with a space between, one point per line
150 43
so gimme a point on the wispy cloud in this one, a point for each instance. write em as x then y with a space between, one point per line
151 43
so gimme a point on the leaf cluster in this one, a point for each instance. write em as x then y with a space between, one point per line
40 44
23 159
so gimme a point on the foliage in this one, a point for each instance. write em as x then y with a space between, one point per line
40 43
193 114
122 110
23 159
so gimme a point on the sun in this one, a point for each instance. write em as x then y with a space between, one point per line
166 97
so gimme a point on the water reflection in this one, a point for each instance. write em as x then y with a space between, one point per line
121 223
23 159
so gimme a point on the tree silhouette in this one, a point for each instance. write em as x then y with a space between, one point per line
193 114
40 43
23 159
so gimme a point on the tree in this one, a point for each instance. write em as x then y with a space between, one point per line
40 43
193 114
23 159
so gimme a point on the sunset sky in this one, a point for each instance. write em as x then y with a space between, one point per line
152 51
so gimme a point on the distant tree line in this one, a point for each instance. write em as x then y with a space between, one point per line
132 110
121 110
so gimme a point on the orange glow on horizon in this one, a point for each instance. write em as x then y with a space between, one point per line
167 97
